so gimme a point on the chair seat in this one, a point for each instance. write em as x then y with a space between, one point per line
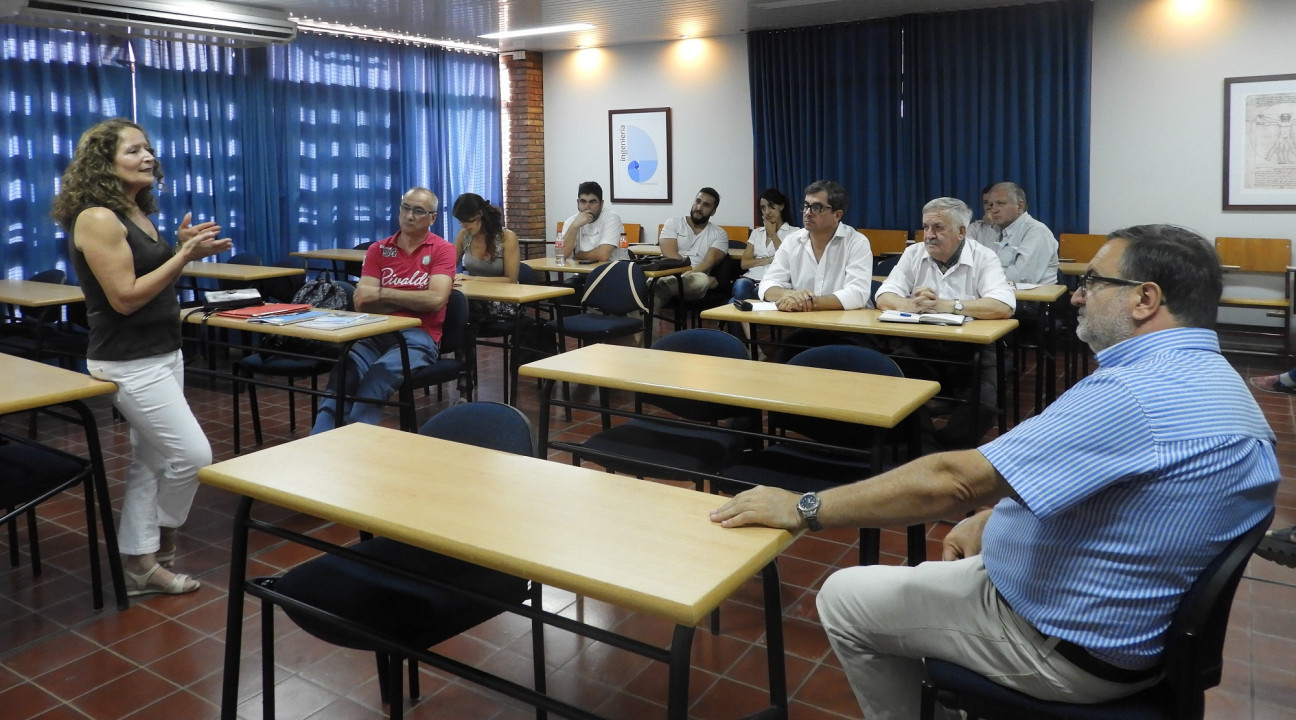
282 364
418 614
643 447
445 369
588 327
998 701
798 469
28 472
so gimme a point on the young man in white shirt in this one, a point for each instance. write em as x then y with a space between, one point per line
593 234
692 237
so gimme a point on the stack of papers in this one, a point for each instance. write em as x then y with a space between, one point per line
333 321
927 318
289 319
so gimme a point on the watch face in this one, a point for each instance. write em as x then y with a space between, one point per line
808 503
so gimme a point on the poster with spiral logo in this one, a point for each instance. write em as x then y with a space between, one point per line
1260 143
640 144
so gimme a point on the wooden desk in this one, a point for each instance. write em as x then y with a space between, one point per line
549 522
31 385
547 265
345 337
237 273
1073 268
646 250
515 294
978 334
336 257
38 294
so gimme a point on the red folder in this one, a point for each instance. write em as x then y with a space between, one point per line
256 311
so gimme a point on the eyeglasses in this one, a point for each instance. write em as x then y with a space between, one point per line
816 209
1089 278
417 212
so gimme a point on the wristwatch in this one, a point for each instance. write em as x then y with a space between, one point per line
958 306
808 506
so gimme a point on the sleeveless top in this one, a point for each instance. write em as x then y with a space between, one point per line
153 329
485 268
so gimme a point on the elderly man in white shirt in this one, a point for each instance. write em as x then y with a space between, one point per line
947 274
1026 247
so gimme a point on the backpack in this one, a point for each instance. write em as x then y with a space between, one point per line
321 293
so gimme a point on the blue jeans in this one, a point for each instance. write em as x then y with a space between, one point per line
744 288
374 371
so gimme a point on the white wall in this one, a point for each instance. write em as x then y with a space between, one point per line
703 81
1158 110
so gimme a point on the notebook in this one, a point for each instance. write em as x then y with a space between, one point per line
259 311
926 318
290 318
337 322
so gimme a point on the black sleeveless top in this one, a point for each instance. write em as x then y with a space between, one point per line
153 329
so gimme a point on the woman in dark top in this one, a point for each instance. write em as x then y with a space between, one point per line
128 274
487 251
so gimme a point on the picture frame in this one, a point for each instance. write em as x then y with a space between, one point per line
639 155
1260 143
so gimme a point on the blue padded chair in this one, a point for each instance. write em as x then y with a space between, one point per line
503 329
616 290
359 606
1194 659
656 448
456 360
284 366
802 469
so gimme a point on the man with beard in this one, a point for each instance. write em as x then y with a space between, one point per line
947 274
1106 507
694 238
593 234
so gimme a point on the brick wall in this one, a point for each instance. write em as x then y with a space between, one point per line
523 118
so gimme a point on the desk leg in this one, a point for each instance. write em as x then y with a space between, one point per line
774 650
681 653
542 427
234 611
105 511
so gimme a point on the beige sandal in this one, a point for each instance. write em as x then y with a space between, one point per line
137 585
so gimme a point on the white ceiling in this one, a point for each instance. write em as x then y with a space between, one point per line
617 22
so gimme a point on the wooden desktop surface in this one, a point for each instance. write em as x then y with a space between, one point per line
614 538
231 271
548 265
337 335
28 385
875 400
647 249
1073 268
1042 293
511 292
981 332
332 254
38 294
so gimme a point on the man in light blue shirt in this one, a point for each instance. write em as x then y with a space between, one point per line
1106 507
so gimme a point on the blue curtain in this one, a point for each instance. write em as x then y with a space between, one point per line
207 112
1003 94
53 85
364 121
825 106
901 110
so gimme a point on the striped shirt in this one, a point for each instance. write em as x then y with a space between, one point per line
1127 487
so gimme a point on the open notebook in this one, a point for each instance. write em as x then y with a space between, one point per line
926 318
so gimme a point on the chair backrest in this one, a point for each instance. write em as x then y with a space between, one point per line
491 425
850 358
48 313
353 268
738 235
526 275
1258 255
1079 247
698 341
54 276
657 237
886 241
454 329
1194 651
618 288
632 231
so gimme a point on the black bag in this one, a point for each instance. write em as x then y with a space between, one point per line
665 263
321 293
535 341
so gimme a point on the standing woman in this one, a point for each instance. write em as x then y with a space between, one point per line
486 251
128 274
776 224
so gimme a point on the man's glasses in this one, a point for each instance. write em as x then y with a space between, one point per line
417 212
1088 279
816 209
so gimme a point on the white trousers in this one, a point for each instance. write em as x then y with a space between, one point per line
167 447
882 619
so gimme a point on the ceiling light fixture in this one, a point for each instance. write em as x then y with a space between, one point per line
536 31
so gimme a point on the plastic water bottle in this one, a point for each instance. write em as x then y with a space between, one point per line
558 250
623 244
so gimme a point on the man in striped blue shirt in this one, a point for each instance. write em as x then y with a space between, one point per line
1107 506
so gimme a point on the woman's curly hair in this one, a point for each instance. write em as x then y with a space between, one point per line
91 178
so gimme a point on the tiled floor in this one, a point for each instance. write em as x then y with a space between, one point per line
162 657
